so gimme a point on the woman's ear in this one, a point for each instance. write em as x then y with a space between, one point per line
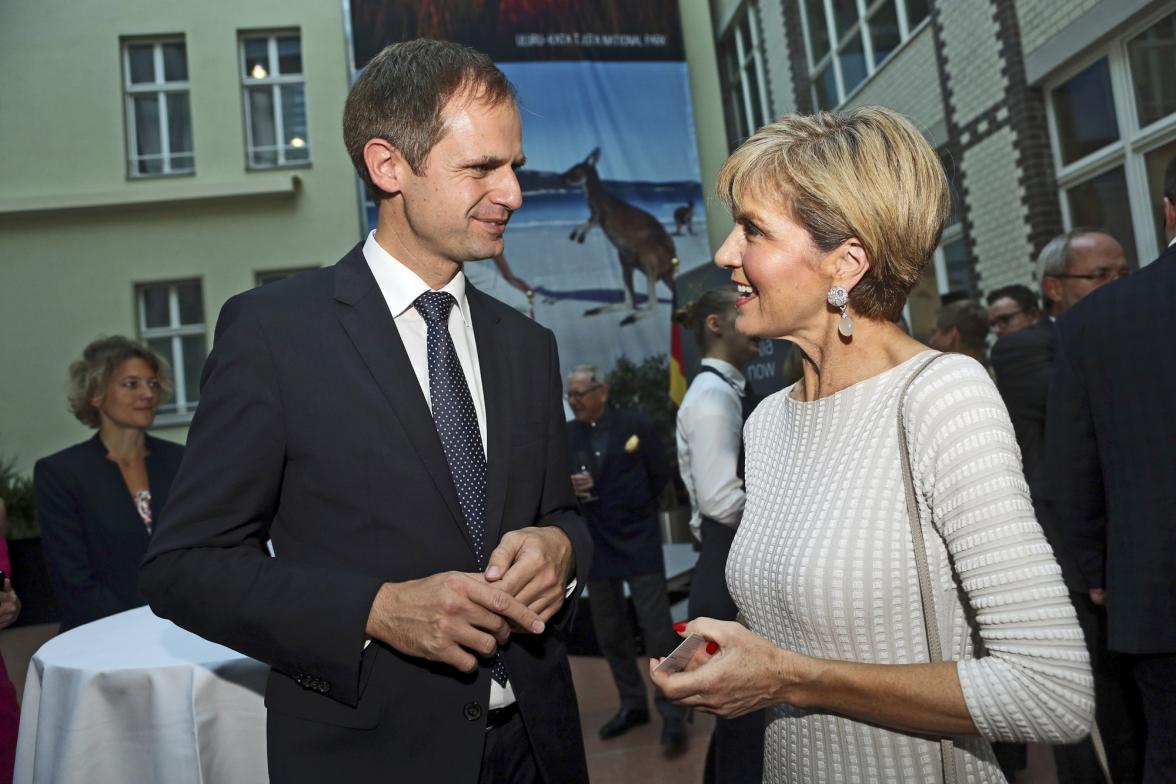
851 263
714 325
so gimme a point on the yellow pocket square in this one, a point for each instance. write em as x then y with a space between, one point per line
632 444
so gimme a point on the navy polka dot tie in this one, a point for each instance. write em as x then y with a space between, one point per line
457 425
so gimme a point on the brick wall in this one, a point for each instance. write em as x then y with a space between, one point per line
1040 20
777 58
971 57
907 83
996 206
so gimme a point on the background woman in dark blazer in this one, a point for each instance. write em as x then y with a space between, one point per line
98 500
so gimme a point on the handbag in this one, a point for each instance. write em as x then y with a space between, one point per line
935 649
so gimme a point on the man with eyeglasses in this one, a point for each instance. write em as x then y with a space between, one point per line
1088 259
1110 440
1012 309
619 468
1070 266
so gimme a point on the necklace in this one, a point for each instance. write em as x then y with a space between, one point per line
143 507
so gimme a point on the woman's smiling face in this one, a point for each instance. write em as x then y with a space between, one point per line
777 270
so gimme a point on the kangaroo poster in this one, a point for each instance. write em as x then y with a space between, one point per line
612 203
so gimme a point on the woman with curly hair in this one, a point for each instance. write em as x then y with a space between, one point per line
98 500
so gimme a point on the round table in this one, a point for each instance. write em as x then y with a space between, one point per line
135 698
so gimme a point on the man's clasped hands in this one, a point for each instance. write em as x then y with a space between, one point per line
456 617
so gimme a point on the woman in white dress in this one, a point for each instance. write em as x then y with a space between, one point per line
837 215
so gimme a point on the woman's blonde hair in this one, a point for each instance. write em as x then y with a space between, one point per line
92 374
865 173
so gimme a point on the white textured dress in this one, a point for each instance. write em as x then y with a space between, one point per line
823 564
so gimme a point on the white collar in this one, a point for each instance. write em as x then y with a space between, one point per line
729 371
401 286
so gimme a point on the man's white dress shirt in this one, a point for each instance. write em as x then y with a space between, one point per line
400 287
709 435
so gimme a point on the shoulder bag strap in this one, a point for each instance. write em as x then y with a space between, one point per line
935 649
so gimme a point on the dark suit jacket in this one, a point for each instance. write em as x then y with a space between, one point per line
1023 364
623 520
313 432
92 535
1111 440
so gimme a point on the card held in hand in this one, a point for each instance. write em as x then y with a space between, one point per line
680 656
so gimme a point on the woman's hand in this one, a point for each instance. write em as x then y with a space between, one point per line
745 674
9 605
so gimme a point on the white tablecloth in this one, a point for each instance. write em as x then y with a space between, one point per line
134 699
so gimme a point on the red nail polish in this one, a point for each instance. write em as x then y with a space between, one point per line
712 648
680 627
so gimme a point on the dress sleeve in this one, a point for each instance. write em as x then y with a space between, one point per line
1031 680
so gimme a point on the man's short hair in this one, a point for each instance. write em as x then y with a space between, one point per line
970 318
1170 181
1054 258
1024 297
593 373
400 95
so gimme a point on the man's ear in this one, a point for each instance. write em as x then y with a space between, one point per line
1051 287
852 262
1169 217
386 166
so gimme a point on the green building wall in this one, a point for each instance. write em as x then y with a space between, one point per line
77 236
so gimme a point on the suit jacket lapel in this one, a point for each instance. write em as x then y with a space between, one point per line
493 358
364 315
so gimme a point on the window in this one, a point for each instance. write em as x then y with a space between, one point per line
171 321
263 277
742 70
159 119
1112 123
274 92
847 40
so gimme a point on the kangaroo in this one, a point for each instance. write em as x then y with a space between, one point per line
684 218
640 239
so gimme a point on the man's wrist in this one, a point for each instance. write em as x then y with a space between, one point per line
376 621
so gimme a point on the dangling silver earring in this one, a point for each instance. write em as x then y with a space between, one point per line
838 297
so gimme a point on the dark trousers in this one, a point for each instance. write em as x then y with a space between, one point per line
736 751
1118 711
618 643
507 757
1156 676
709 597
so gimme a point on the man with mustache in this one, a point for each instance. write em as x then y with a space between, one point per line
398 436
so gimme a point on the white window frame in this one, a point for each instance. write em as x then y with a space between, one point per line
175 331
952 233
745 24
860 28
162 88
275 82
1128 151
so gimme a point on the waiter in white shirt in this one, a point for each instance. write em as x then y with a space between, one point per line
710 457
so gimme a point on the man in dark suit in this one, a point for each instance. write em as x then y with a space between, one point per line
398 436
1071 266
1110 438
619 469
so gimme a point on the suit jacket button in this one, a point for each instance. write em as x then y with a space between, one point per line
472 711
324 687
